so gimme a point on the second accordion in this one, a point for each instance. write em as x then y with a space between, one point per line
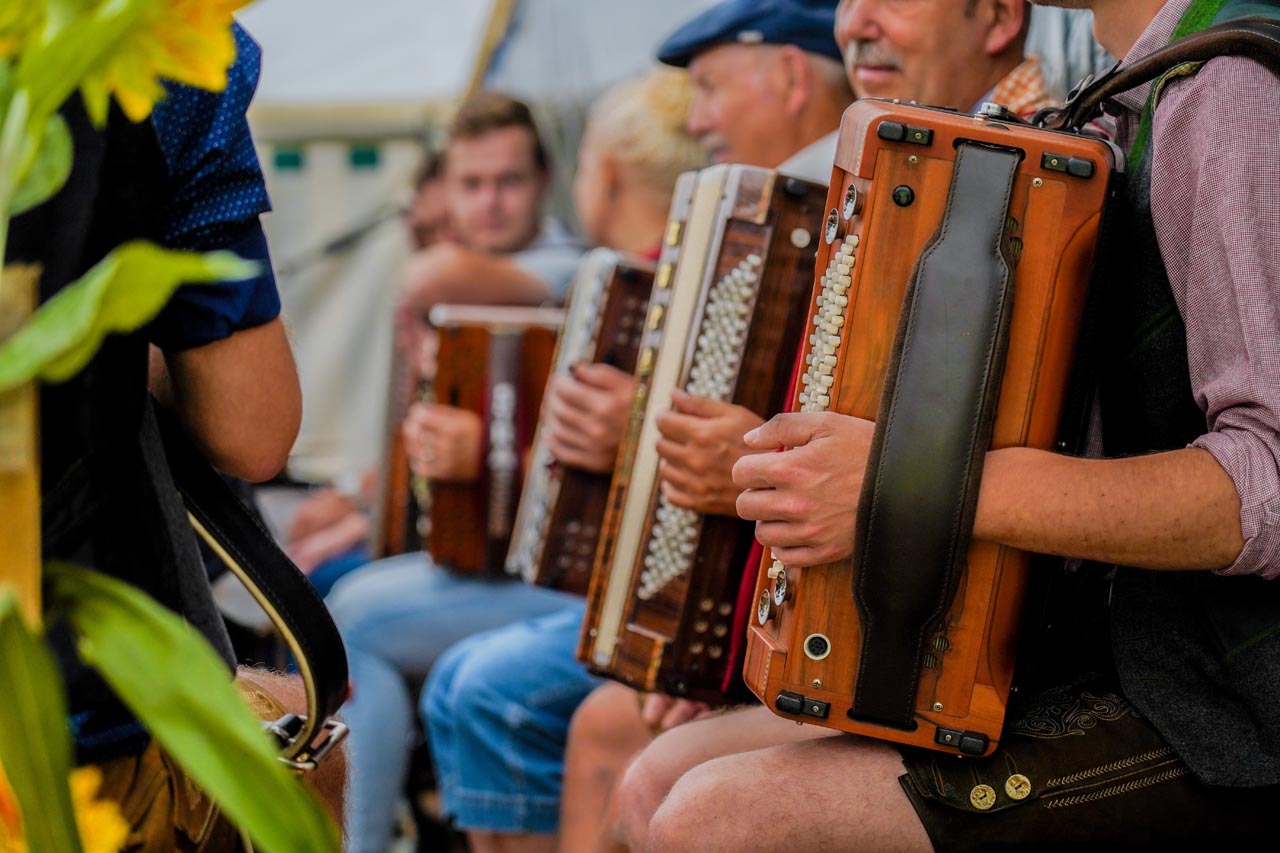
725 319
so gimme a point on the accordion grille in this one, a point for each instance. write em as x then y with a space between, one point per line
713 373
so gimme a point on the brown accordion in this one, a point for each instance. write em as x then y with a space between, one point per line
395 517
561 508
494 361
724 325
957 256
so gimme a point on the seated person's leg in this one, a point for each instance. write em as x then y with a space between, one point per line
837 794
606 732
497 711
652 774
396 617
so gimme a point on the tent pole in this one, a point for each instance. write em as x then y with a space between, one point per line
494 32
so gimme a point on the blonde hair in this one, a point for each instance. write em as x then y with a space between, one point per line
640 123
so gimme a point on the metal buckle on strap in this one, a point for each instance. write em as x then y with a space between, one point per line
286 730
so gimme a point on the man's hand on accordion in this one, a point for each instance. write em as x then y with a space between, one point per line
443 442
701 441
584 414
805 500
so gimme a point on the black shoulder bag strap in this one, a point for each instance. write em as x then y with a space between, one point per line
1253 38
236 535
934 426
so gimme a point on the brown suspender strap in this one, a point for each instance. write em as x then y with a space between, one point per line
1253 38
932 431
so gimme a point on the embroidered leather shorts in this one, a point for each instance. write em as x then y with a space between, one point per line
1078 765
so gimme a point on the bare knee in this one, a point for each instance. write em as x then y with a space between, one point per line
638 795
695 813
596 720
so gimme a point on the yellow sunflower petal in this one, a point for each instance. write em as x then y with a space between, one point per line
102 828
185 41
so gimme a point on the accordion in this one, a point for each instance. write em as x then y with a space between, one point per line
952 278
394 528
724 325
558 524
493 361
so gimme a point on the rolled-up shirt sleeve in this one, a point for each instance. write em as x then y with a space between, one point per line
216 195
1215 199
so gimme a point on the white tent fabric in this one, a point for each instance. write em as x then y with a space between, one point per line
333 52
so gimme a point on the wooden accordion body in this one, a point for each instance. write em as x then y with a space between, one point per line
558 524
494 361
394 528
893 170
664 591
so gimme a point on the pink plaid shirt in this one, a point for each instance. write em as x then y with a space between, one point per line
1215 198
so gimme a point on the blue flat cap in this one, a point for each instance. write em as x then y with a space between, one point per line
807 24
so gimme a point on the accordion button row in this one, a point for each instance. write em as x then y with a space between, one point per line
828 320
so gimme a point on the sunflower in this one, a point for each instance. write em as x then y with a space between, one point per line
102 829
19 20
186 41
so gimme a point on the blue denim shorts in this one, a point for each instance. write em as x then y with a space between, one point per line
497 709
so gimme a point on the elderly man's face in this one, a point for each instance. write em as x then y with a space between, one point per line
738 109
914 50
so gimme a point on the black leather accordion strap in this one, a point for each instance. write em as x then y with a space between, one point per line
239 539
932 431
1254 38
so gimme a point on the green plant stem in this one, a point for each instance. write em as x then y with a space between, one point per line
13 164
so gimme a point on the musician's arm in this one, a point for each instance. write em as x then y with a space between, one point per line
238 398
1174 510
447 273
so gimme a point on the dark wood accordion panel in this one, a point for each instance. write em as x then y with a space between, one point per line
682 581
577 510
894 169
496 368
395 519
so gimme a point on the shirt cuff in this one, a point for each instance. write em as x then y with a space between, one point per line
1252 467
200 314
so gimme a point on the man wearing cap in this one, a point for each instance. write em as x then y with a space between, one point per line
769 86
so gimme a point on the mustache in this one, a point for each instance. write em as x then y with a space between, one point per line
862 52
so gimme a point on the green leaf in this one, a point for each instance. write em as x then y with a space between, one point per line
49 171
121 293
35 747
78 43
174 682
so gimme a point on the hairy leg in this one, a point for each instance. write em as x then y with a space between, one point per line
606 732
653 773
838 793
